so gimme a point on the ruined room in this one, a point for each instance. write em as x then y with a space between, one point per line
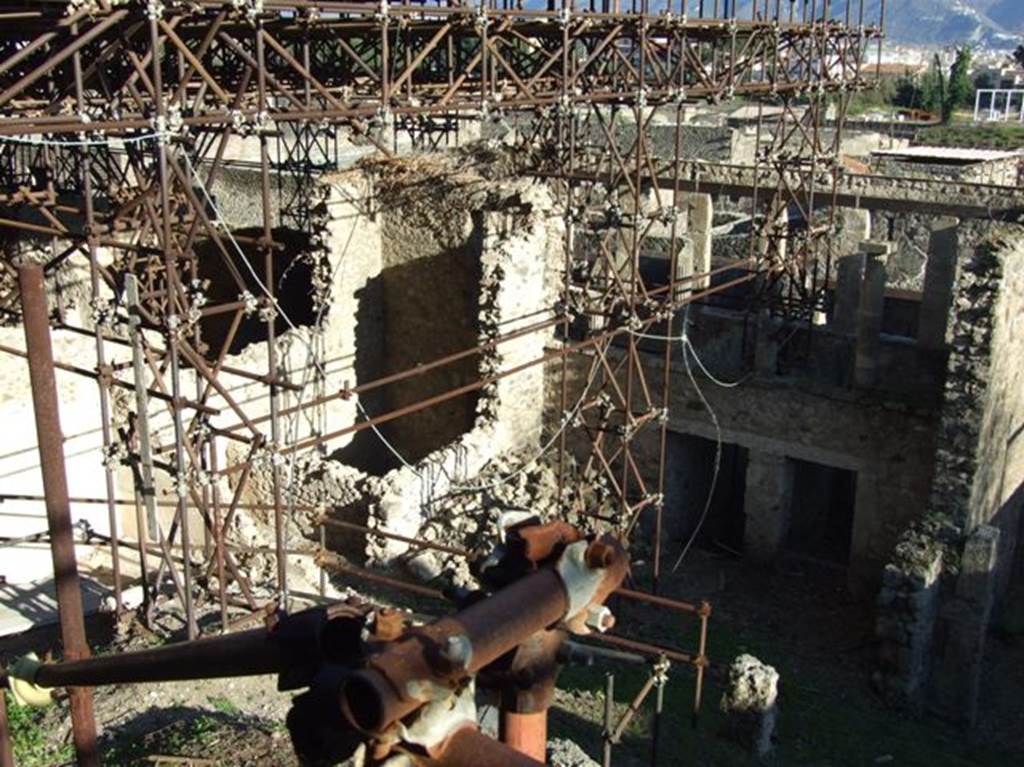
499 383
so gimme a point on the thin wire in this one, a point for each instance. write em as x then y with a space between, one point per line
687 343
567 419
687 350
706 372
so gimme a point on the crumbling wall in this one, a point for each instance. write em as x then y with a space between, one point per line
980 460
997 493
908 604
974 507
970 360
480 255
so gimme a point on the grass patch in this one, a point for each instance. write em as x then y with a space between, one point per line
30 738
828 714
224 706
986 136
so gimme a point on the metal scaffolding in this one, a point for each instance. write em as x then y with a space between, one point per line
115 119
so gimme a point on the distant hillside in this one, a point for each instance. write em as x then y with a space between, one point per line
998 23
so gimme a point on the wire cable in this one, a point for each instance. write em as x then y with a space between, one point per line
567 418
688 349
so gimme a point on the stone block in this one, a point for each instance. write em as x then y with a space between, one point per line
750 704
939 277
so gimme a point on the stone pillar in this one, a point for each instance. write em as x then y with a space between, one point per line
963 625
905 625
869 314
849 279
684 268
854 228
939 276
700 212
749 704
767 505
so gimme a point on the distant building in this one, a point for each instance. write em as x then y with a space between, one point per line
895 70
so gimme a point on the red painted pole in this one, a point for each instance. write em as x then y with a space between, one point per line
526 733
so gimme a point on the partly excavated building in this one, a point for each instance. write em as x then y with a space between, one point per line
339 287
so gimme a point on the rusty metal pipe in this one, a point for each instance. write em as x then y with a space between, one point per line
36 320
247 653
388 690
526 733
393 684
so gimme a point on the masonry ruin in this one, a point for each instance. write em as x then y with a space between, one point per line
345 340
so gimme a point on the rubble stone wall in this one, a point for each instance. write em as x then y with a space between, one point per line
997 492
443 224
1001 172
979 470
908 605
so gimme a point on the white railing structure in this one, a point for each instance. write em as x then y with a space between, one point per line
1004 105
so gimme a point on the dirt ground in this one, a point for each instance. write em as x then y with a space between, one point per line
799 619
796 618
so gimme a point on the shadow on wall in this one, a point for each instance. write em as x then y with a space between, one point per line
1010 564
411 314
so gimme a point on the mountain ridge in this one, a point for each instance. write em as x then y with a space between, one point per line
994 23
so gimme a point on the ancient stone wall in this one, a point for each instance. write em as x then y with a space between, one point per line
888 443
1003 172
461 260
974 508
997 492
908 604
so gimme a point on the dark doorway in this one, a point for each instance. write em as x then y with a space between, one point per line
821 518
689 469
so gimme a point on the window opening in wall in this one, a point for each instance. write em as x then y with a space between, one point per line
293 278
900 313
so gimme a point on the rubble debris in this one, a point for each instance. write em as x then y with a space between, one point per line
565 753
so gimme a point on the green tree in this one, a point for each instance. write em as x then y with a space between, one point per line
908 93
960 90
933 87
